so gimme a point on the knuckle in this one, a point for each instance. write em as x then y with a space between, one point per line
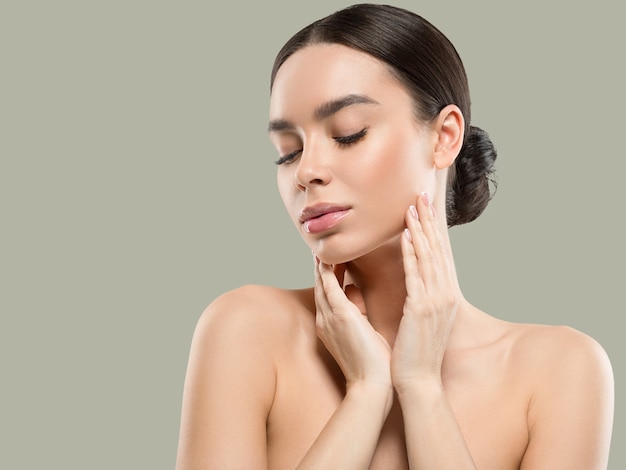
441 247
429 257
427 313
447 303
453 303
423 308
413 270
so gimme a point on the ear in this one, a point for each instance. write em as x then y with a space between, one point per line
450 129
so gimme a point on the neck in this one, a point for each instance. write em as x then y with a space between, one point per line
379 276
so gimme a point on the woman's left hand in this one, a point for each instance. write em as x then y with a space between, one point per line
431 302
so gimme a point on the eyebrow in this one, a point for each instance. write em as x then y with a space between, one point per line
323 111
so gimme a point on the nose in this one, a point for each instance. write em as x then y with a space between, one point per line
312 170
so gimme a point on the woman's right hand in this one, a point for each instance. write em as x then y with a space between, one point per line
360 351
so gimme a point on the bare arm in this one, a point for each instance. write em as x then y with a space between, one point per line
570 416
229 387
349 439
571 409
433 436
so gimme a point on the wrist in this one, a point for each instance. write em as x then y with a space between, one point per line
372 394
423 389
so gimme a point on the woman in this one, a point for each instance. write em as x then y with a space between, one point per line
383 364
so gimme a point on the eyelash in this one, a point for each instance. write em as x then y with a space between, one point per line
342 141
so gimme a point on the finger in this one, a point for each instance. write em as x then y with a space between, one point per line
430 225
321 302
412 277
427 218
333 292
426 259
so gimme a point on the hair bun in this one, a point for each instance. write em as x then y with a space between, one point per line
471 183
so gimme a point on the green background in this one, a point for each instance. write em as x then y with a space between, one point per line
137 184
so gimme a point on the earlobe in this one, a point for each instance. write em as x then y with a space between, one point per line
450 127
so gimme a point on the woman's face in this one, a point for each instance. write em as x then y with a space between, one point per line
353 157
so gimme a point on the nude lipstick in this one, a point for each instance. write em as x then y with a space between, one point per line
322 217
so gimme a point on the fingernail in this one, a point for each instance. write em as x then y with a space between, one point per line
426 200
407 234
413 211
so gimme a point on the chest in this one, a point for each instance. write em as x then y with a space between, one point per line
490 408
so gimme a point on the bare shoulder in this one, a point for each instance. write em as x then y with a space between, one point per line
254 310
231 377
571 396
249 325
555 356
545 347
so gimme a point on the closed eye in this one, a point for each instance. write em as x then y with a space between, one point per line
341 141
288 158
350 139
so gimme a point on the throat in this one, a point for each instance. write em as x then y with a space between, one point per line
381 292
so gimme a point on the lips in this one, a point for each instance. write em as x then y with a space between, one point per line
322 217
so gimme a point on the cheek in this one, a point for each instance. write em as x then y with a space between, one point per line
284 182
399 169
280 183
283 187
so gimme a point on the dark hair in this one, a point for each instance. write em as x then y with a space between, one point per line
427 63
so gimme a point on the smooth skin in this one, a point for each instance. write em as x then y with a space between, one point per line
383 364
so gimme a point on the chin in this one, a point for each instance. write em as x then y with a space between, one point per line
333 257
335 254
338 253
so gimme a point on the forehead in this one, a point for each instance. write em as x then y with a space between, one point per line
322 72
